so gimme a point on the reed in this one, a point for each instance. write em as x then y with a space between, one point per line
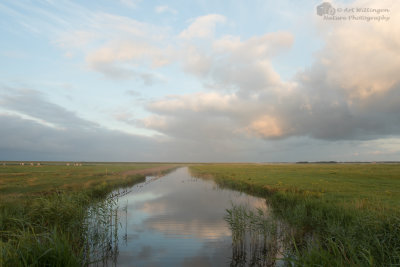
61 225
255 236
338 214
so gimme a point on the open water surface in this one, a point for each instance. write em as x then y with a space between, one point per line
174 220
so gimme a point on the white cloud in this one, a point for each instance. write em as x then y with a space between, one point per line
351 92
240 65
118 47
202 27
198 102
362 58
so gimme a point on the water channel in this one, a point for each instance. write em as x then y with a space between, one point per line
174 220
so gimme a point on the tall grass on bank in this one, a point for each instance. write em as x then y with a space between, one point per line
54 229
341 236
346 229
255 237
102 224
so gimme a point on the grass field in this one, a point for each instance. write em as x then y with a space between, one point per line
371 186
351 210
18 182
43 209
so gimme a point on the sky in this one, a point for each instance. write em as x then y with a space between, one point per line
206 81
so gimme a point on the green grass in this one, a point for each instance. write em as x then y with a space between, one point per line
21 181
352 210
43 210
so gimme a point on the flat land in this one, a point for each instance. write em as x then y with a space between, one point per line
43 208
352 211
26 181
372 186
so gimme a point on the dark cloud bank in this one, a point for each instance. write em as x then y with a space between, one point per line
58 134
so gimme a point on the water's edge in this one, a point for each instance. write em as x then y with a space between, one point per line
178 219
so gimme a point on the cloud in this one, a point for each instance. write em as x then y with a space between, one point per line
248 91
32 104
202 27
118 47
165 9
265 127
239 65
34 128
362 58
350 92
342 95
23 139
198 102
123 59
125 62
196 61
214 116
118 72
202 116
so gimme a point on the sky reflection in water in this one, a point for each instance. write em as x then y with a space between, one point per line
177 220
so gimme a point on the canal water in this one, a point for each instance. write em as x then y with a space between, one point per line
174 220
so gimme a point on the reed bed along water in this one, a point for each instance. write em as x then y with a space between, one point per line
340 214
256 237
47 221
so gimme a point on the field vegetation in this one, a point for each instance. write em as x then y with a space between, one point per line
343 214
44 209
336 214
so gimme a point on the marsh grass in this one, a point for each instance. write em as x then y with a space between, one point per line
340 214
257 237
59 225
44 232
101 231
342 236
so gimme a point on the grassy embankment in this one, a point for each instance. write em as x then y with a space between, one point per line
352 210
43 209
